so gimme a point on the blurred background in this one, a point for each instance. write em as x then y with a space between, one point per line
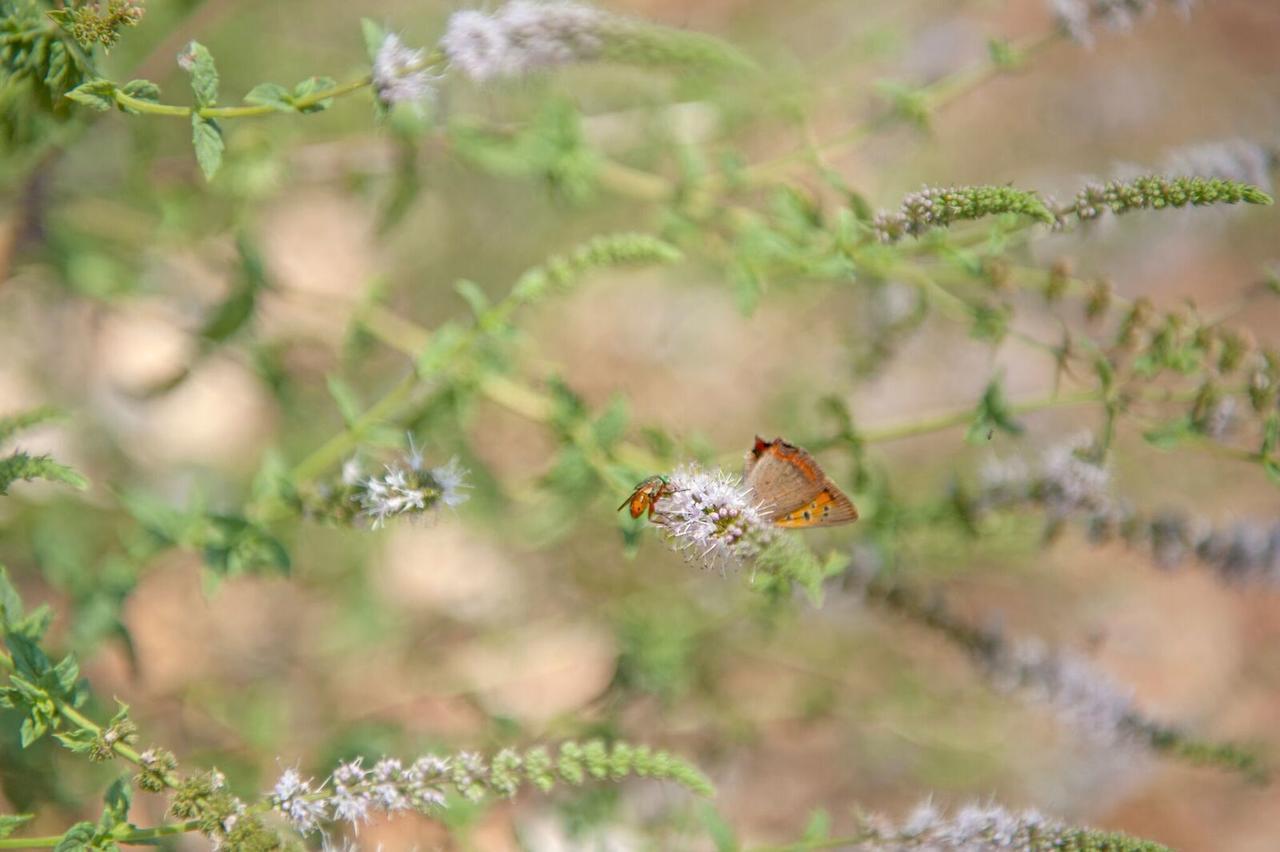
519 617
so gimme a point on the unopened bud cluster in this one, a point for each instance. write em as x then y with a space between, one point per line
938 207
1156 192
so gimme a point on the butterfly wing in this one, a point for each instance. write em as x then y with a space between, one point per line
784 477
795 491
830 508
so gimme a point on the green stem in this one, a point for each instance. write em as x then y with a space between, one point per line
82 721
139 835
340 445
252 111
950 420
255 110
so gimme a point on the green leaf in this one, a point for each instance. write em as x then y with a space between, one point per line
67 674
118 799
475 297
78 742
235 545
140 90
98 94
79 838
11 822
345 396
718 830
206 135
1169 435
10 426
10 602
309 87
993 414
1272 467
270 95
29 661
818 827
238 308
204 75
374 35
20 466
1270 435
612 423
439 352
33 728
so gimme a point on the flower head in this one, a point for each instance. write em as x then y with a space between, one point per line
714 517
522 37
1076 17
408 487
303 807
398 73
1072 478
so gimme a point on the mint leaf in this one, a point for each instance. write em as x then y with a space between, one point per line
206 135
198 62
96 94
270 95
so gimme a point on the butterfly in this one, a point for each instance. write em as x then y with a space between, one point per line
648 492
794 490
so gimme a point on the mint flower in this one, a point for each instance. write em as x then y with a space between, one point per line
399 75
407 488
297 802
984 828
523 37
1076 18
713 518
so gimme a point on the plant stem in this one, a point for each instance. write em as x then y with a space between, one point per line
140 835
256 110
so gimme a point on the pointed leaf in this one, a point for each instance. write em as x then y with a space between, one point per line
206 135
270 95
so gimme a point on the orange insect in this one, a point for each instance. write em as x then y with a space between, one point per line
648 492
794 490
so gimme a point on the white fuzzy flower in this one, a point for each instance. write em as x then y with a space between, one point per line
477 45
1076 16
1080 694
408 487
972 828
522 37
350 801
293 797
1071 479
398 73
451 478
713 517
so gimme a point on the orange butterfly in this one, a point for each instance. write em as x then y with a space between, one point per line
794 490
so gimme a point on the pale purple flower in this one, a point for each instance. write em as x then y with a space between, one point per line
451 478
302 806
407 487
399 75
713 517
1076 17
971 828
1072 478
522 37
